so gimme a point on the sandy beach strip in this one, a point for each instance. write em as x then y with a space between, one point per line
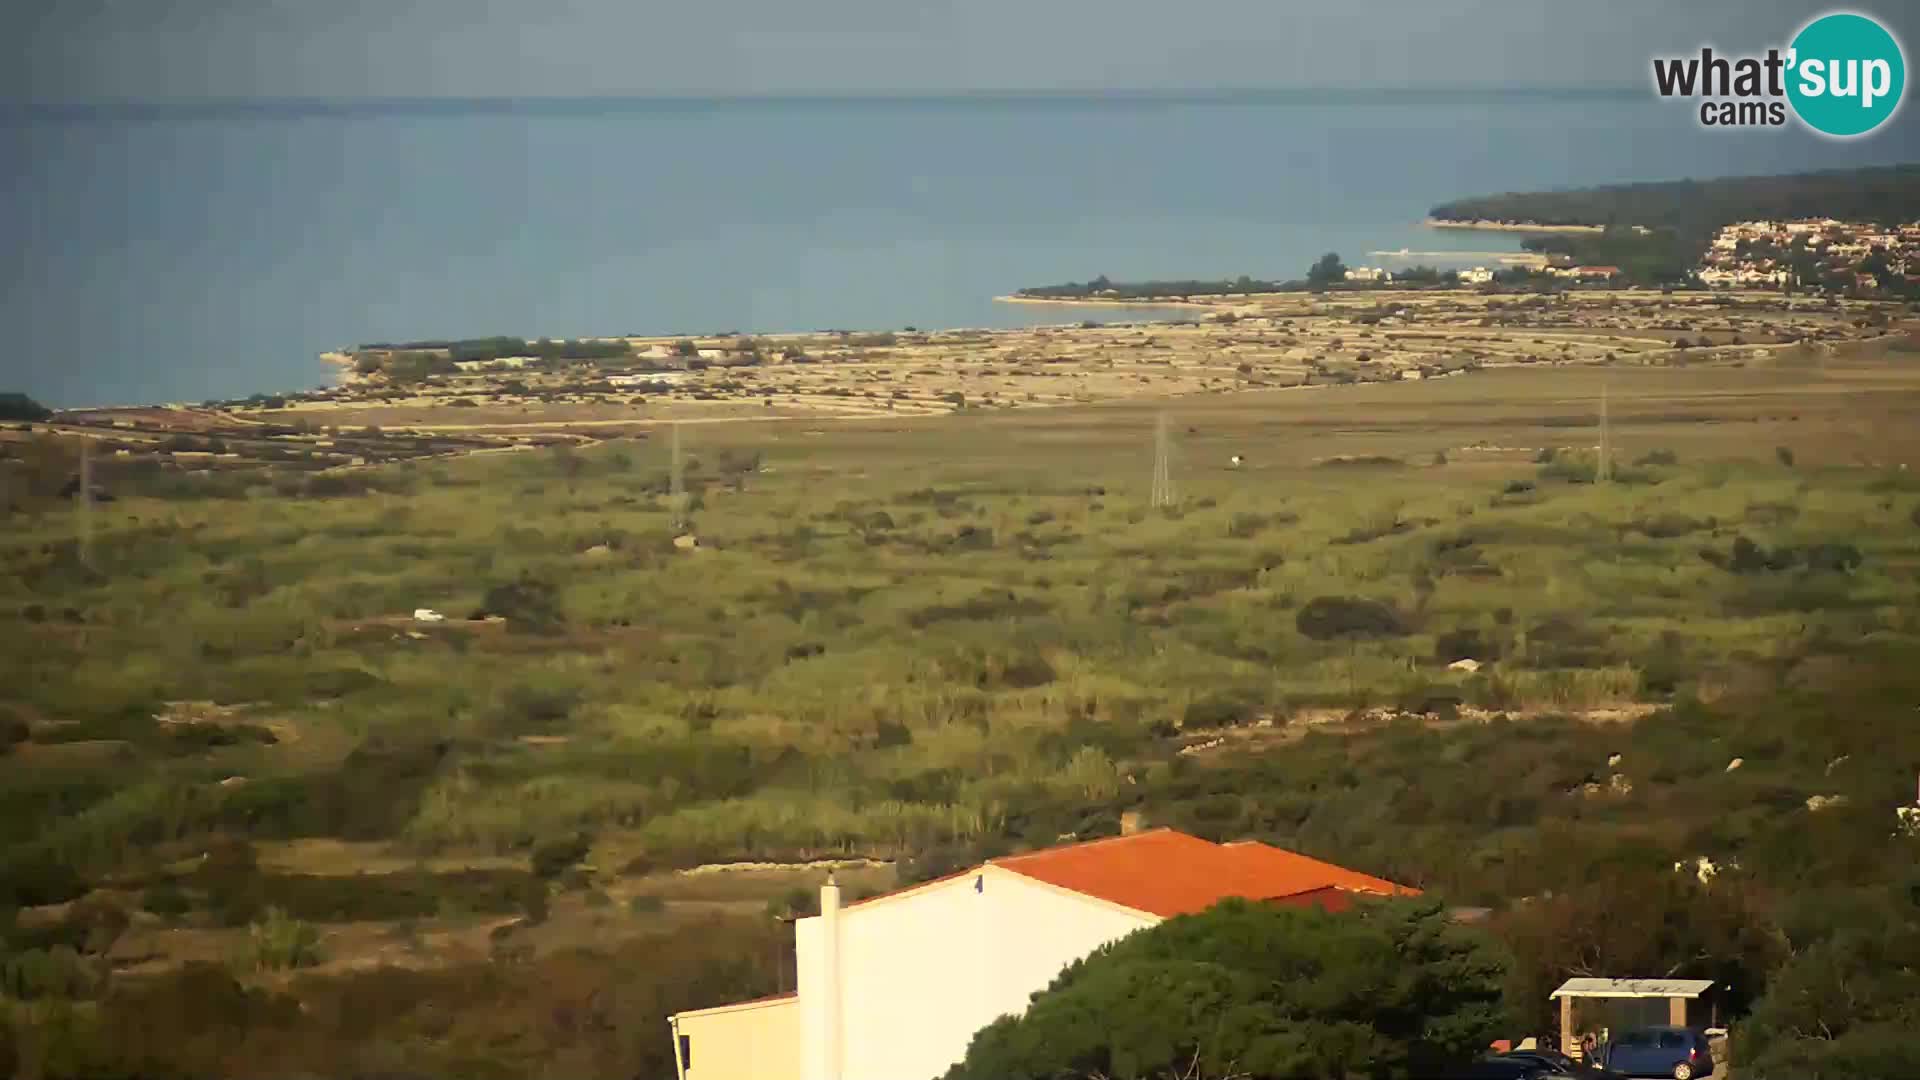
1510 226
1102 301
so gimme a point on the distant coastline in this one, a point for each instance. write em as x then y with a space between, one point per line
1484 225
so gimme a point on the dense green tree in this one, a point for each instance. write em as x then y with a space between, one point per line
1888 194
1844 1007
1327 270
1638 921
21 407
527 603
1263 992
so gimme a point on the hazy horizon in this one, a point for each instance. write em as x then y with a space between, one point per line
99 51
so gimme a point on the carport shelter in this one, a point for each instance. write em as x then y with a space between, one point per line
1644 994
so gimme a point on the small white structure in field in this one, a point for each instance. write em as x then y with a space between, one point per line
1468 665
1235 462
427 615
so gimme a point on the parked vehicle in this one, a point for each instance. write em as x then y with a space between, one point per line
1678 1052
1503 1067
1567 1065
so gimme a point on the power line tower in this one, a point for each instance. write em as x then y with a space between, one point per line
1603 472
677 487
1163 494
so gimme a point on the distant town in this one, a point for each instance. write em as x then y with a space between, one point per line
1813 253
1842 254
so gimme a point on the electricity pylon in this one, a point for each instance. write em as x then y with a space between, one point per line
1163 494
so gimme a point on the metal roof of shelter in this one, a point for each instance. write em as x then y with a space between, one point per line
1633 988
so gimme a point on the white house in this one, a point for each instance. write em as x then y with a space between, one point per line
1479 275
1368 273
893 988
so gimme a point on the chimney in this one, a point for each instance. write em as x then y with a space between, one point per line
820 991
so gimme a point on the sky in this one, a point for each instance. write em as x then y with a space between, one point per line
170 50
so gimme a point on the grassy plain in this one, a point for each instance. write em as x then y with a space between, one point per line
922 639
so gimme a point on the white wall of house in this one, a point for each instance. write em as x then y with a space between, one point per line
921 971
757 1040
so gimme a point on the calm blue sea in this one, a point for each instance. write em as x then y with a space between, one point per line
183 253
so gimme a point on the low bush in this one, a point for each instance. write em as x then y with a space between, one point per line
528 603
166 900
1325 618
57 972
554 857
1218 710
1464 643
1670 525
279 942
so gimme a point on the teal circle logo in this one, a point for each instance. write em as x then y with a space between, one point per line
1846 74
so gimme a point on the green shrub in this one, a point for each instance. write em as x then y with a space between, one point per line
554 857
1670 525
530 709
13 729
1217 710
1245 525
794 903
528 604
535 899
1464 643
279 942
34 878
1325 618
58 972
166 900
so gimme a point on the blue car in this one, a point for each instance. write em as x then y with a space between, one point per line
1677 1052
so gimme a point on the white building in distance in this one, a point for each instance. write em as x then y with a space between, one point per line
894 988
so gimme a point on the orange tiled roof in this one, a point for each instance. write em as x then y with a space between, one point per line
1168 873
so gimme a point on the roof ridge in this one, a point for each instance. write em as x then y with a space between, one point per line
1095 842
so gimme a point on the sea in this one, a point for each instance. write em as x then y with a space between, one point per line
169 253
